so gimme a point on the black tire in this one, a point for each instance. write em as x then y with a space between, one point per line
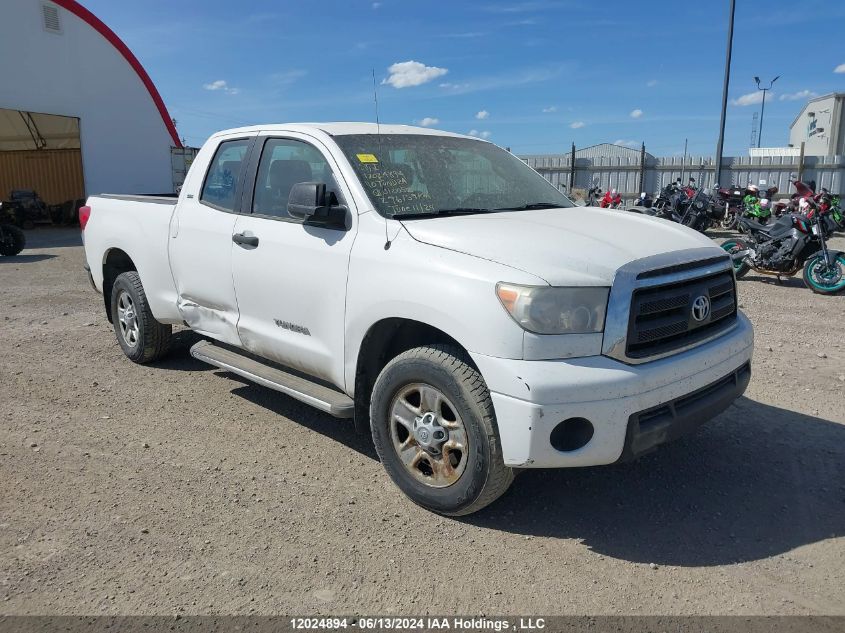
831 284
13 242
151 338
447 369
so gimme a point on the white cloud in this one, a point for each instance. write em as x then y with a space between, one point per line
482 134
522 7
376 5
286 77
505 80
429 120
465 34
455 87
411 73
577 124
799 96
483 114
752 98
636 114
221 84
839 69
651 83
550 109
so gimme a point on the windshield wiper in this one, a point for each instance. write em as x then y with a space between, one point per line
529 207
441 212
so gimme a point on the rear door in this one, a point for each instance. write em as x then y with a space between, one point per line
201 241
291 283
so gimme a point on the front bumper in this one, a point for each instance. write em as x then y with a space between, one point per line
632 407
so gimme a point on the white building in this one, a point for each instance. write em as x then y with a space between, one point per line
820 127
78 113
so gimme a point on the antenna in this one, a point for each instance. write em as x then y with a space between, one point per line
375 100
378 142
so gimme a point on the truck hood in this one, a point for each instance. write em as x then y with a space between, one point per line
577 246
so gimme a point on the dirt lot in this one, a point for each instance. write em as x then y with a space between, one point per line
177 488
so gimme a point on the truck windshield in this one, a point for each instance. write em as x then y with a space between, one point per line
418 175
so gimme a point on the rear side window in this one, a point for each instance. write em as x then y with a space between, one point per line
221 186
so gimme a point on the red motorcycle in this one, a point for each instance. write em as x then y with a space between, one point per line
611 200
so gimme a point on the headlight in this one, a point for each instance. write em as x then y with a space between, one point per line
548 310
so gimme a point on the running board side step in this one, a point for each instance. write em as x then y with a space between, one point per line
315 394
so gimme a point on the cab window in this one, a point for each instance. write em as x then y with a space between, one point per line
221 187
285 162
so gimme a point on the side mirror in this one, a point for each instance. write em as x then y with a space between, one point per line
311 202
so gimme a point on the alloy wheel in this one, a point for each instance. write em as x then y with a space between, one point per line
428 435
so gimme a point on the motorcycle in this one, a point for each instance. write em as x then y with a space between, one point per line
611 200
757 205
729 199
645 201
691 207
664 199
792 241
593 194
829 203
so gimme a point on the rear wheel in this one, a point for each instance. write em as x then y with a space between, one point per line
12 240
435 431
734 246
824 279
141 337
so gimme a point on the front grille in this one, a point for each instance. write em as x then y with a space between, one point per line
661 318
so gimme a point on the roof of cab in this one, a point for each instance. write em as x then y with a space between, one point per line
341 128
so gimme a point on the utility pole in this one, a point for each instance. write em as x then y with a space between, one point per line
721 144
763 105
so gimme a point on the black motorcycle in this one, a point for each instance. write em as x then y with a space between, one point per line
783 247
695 211
592 199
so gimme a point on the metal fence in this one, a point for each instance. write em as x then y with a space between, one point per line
630 176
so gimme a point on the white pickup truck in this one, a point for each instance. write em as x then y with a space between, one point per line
435 289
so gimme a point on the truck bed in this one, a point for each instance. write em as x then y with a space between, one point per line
139 226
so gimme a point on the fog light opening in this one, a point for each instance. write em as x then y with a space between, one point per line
571 434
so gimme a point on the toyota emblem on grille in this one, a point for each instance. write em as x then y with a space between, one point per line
701 308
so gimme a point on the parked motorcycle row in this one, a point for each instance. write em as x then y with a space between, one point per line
779 238
796 239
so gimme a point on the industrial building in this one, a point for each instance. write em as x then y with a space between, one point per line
819 126
78 113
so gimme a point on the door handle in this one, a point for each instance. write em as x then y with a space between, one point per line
245 240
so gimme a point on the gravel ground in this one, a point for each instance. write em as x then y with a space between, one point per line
177 488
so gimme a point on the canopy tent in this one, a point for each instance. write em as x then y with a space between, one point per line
21 130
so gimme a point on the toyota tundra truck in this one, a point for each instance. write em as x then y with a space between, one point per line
435 290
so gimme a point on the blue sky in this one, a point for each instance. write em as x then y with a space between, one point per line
533 75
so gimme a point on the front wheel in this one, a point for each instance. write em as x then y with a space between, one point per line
728 222
824 279
741 267
435 431
12 240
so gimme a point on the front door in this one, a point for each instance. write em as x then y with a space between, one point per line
201 243
291 285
